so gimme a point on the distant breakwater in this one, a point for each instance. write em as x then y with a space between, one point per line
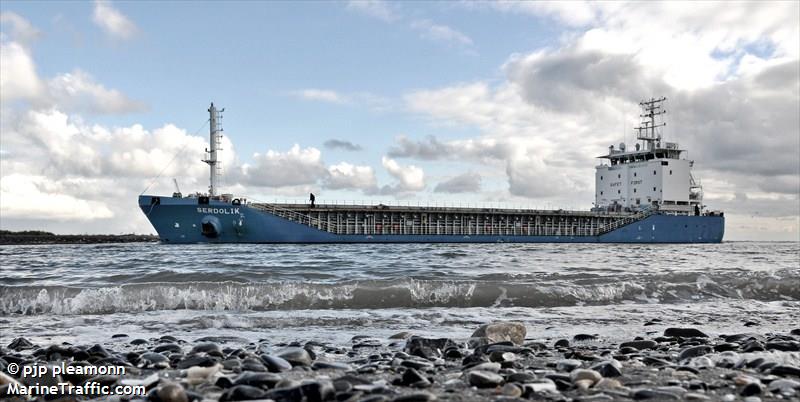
40 237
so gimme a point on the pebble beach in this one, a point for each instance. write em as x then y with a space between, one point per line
499 362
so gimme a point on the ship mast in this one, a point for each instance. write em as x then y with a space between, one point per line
215 139
647 129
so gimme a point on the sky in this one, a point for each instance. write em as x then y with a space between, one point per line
432 103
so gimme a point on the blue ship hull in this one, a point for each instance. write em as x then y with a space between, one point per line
179 220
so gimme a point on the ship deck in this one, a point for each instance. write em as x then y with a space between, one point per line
431 220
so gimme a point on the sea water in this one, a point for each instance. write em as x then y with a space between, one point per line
330 293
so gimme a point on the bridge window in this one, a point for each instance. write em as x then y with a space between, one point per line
634 190
601 177
670 172
619 192
654 172
654 189
619 176
601 193
634 174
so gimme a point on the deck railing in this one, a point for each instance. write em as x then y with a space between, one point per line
295 216
622 221
457 222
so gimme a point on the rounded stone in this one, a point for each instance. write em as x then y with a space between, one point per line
483 379
640 344
196 361
608 368
694 351
493 367
511 390
206 348
259 380
276 364
502 331
154 358
172 392
584 374
241 393
684 333
296 356
413 378
541 385
321 365
568 364
168 347
752 388
608 383
401 335
521 378
415 397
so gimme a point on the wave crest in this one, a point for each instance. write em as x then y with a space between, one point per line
403 293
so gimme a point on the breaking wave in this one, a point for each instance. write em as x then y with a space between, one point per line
396 293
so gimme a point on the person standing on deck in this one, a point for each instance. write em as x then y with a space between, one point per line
312 198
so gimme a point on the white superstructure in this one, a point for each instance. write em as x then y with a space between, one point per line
652 175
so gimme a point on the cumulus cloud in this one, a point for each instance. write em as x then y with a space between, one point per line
431 148
342 144
112 21
409 178
570 80
732 87
56 167
19 80
297 166
347 176
70 147
75 91
91 173
79 91
39 197
19 28
469 182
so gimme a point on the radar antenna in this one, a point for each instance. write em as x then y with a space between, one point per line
647 129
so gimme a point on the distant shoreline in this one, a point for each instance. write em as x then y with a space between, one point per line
28 237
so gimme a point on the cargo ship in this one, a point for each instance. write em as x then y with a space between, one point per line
646 194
